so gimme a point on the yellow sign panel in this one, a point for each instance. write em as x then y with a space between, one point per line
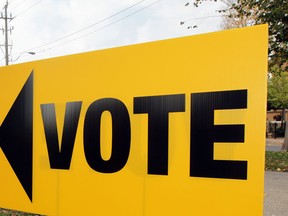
174 127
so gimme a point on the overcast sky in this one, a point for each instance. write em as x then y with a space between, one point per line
53 28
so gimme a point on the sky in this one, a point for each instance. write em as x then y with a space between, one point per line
52 28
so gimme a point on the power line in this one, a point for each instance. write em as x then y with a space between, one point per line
194 19
199 18
2 52
90 26
61 44
27 9
17 5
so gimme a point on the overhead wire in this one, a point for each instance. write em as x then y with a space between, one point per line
205 17
2 51
3 54
194 20
9 2
90 26
36 3
87 34
17 5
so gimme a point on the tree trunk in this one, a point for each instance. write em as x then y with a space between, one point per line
285 144
283 119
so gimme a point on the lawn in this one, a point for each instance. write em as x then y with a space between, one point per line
276 161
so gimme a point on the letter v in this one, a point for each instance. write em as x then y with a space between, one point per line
60 158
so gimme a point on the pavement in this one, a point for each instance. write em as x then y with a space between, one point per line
274 144
276 185
276 194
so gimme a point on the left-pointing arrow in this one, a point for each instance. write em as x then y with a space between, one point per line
16 136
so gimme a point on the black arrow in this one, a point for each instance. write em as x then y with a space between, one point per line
16 136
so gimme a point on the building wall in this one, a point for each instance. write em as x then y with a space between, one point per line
273 113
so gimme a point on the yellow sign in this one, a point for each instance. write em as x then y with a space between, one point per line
173 127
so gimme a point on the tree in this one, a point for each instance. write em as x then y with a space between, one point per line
273 12
278 96
278 91
232 18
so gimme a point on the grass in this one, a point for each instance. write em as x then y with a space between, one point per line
276 161
14 213
7 212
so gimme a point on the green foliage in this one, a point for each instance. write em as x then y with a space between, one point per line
278 91
276 161
273 12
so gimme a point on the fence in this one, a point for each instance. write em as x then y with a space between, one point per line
275 129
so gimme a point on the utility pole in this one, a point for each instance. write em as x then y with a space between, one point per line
5 30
